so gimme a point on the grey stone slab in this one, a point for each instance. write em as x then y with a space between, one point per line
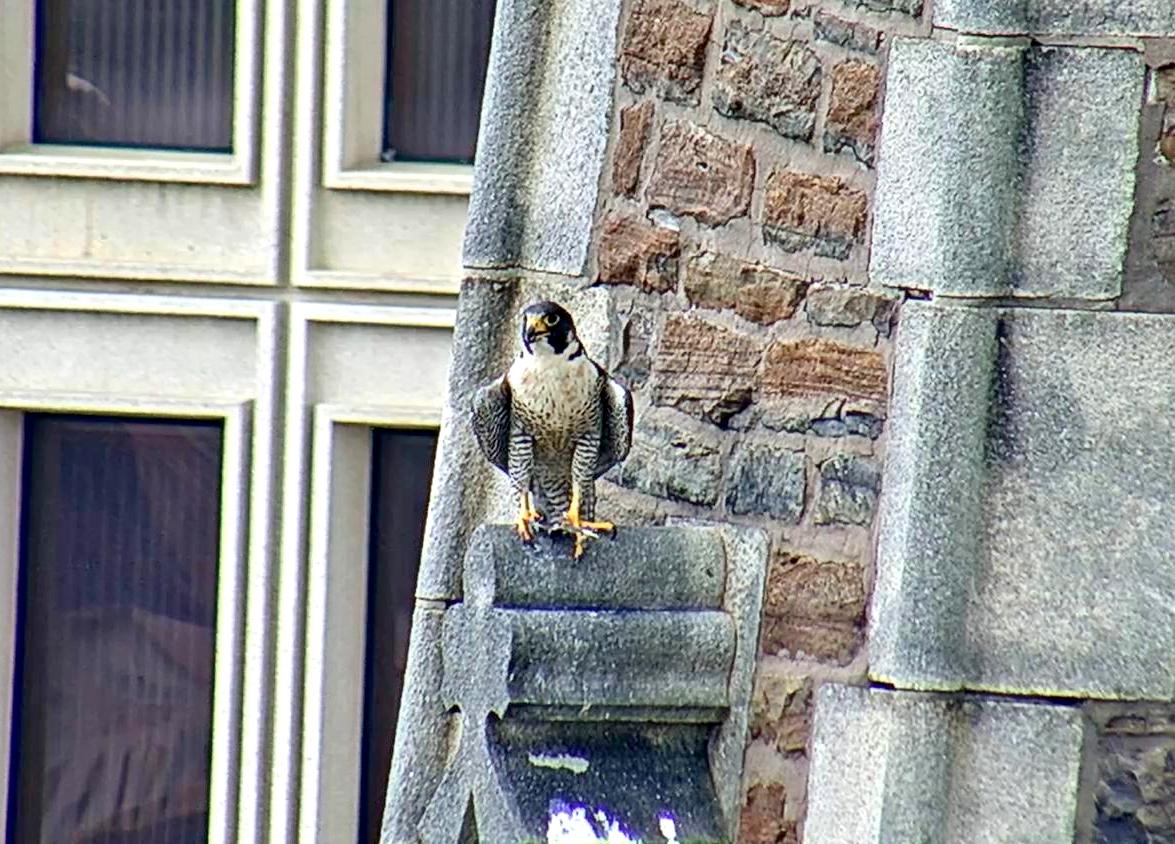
895 767
1005 169
620 658
649 568
1154 18
545 117
1025 542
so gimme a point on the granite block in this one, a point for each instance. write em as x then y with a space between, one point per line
1006 169
890 767
1025 543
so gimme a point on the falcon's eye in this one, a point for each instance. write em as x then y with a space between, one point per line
551 319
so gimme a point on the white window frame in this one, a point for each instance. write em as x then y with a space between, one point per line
19 156
340 527
241 667
226 708
356 54
322 629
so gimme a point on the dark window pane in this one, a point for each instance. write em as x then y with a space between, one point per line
401 473
437 55
120 537
144 73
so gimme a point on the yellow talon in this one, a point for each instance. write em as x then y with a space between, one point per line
583 529
527 516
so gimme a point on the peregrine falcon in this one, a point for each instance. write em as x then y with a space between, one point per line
554 423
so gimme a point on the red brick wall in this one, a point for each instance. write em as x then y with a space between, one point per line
733 228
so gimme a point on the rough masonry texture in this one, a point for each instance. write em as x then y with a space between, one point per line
1025 543
899 766
591 684
1057 17
546 114
1006 169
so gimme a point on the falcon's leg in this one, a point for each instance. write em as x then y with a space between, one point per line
520 459
578 517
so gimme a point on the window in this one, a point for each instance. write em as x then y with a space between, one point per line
135 73
436 69
117 620
401 474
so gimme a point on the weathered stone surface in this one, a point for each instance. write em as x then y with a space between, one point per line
671 459
704 369
804 211
1135 792
701 174
821 367
1058 17
664 49
756 293
805 587
766 479
813 608
781 709
848 490
769 80
636 122
690 573
763 820
535 182
909 7
824 418
901 766
766 7
634 251
848 307
1024 160
1057 433
852 110
848 34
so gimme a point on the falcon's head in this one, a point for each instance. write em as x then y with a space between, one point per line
547 328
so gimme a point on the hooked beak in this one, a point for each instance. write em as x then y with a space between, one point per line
535 327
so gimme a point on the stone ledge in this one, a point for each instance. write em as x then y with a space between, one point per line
1153 18
902 767
1024 538
1006 170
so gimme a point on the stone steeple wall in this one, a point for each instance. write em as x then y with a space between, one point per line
740 201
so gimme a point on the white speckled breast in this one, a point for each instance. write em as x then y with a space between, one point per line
555 399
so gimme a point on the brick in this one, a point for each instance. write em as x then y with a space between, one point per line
768 8
847 34
821 367
704 369
803 211
767 480
701 174
768 80
671 460
804 587
852 110
848 307
848 490
802 638
756 293
634 251
664 49
631 141
763 821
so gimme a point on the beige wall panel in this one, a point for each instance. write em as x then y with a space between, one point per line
166 357
160 229
378 365
404 235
